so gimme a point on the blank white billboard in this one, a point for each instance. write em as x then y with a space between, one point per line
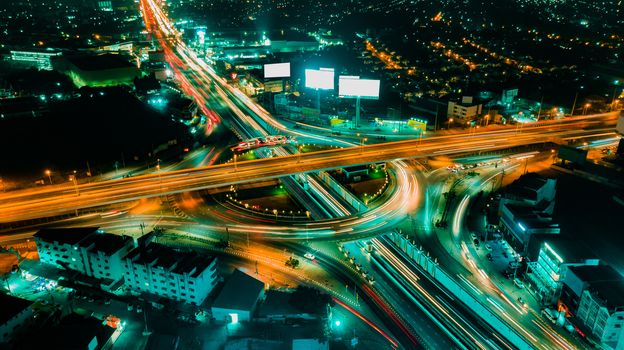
277 70
322 79
349 86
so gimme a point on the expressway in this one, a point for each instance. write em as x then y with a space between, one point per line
51 201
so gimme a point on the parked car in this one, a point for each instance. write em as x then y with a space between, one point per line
139 309
487 246
473 236
130 307
518 283
309 256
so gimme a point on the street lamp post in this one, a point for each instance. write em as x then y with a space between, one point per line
235 167
585 107
362 140
49 174
448 123
73 179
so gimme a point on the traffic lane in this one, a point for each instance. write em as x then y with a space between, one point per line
170 179
411 144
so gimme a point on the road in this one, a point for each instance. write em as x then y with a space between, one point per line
28 204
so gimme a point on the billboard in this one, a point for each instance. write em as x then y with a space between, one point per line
277 70
322 79
352 87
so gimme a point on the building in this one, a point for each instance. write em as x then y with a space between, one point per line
277 307
532 190
14 316
59 247
601 312
579 278
519 223
88 250
464 110
97 70
37 59
143 266
75 332
163 271
547 269
238 298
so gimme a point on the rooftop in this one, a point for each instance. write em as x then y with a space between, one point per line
609 292
69 236
105 243
570 251
180 262
99 62
277 303
72 332
240 292
11 307
527 186
596 273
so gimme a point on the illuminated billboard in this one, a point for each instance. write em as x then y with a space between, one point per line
321 79
277 70
353 87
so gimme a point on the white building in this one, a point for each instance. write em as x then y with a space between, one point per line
178 275
87 250
464 110
37 59
601 310
14 315
238 298
143 267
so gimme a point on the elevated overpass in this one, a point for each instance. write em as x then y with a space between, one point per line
42 202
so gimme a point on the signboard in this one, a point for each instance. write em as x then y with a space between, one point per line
277 70
321 79
353 87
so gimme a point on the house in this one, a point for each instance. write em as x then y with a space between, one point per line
14 315
238 298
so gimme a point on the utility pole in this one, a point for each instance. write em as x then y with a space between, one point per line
574 104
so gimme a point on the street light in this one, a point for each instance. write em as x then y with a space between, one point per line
450 120
362 140
49 173
73 179
235 156
585 107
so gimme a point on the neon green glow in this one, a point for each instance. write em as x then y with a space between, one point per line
553 252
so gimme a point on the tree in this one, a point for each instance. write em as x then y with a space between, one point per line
292 262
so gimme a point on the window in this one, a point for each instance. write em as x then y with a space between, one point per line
171 284
183 294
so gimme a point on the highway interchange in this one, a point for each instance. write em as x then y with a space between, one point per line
414 311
